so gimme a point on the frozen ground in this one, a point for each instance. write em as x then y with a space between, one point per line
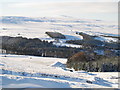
19 71
36 27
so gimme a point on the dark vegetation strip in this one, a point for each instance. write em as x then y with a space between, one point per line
35 47
94 63
79 59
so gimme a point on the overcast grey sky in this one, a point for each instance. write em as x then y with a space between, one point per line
89 9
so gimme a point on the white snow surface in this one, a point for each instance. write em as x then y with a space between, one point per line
20 71
68 26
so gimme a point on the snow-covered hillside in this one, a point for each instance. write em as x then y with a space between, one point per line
32 27
19 71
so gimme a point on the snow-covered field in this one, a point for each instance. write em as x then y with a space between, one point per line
19 71
36 27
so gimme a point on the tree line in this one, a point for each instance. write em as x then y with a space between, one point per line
35 47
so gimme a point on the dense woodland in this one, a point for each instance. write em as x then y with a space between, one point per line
78 58
35 47
93 62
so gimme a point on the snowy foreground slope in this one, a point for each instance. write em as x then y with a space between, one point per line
19 71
